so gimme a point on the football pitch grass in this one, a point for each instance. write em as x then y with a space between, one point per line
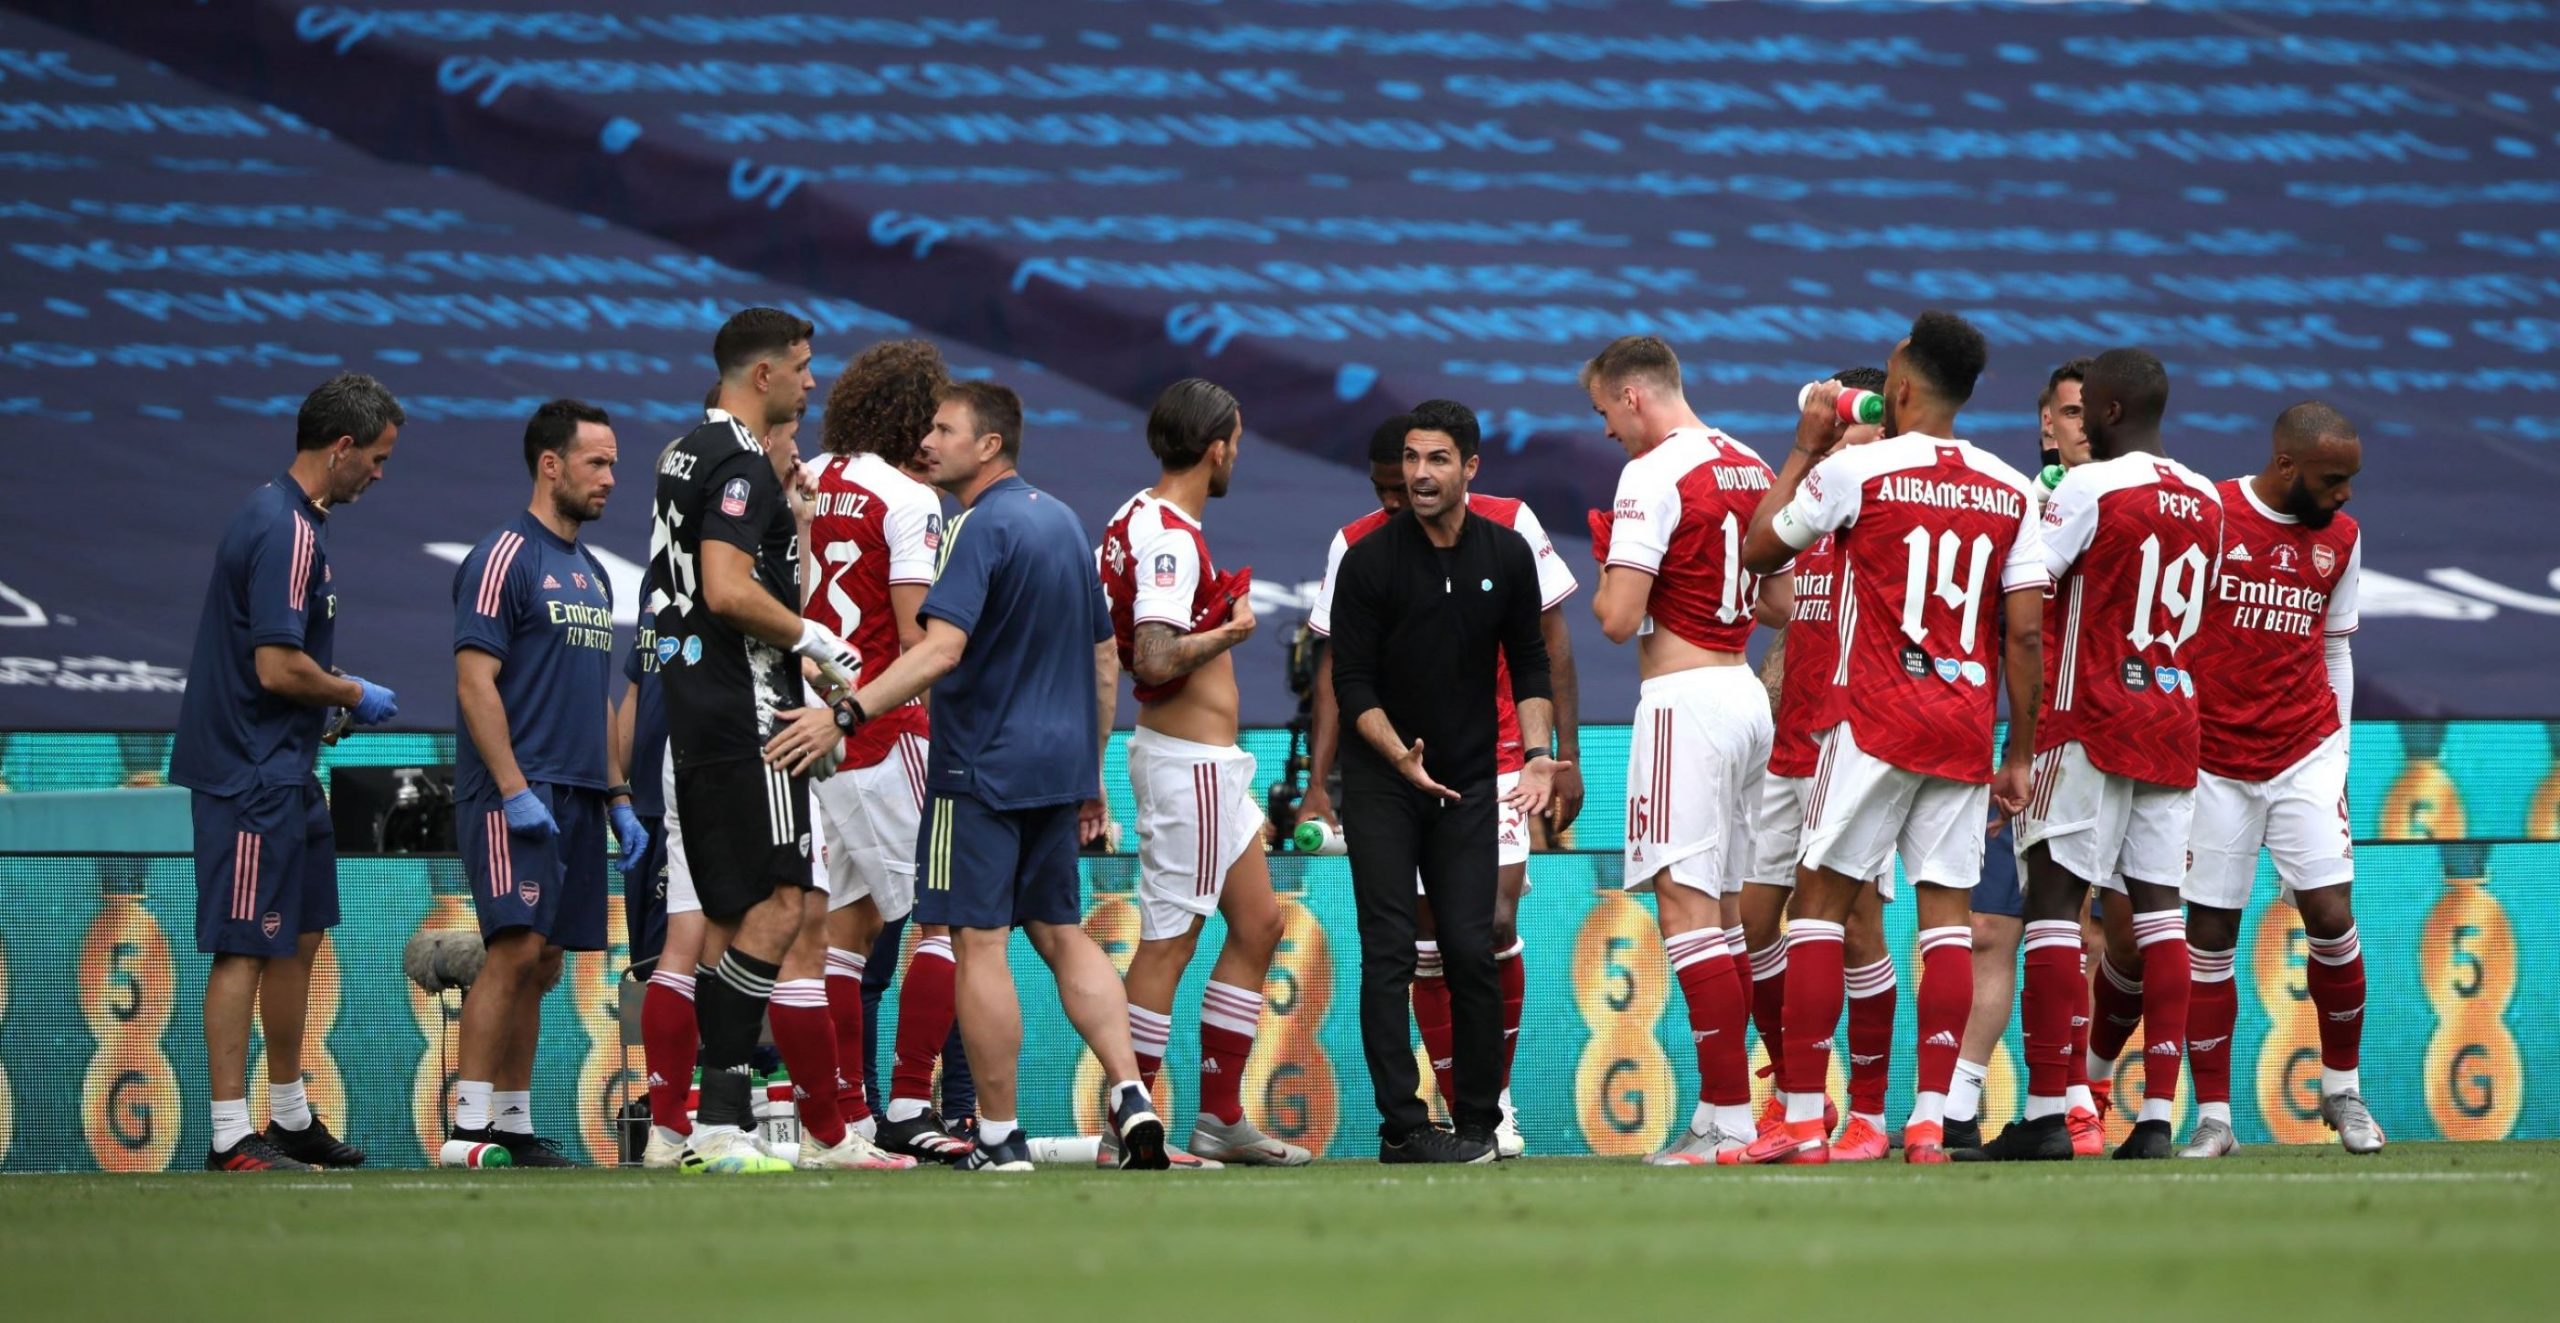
2426 1231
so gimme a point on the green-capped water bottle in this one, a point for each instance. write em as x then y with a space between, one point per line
470 1153
1855 406
1317 836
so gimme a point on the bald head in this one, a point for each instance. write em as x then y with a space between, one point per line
2301 429
2123 395
2316 458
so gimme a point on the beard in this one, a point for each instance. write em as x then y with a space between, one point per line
2298 502
576 510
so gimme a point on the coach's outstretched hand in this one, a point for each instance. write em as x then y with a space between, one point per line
1410 763
1537 786
633 836
527 815
377 705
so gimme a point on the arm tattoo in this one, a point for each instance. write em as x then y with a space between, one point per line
1160 654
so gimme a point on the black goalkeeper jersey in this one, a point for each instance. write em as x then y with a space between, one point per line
722 688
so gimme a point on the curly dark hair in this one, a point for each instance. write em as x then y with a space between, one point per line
883 402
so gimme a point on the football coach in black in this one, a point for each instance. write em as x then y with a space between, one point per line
1424 611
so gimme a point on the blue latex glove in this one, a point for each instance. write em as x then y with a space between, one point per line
634 837
526 816
378 704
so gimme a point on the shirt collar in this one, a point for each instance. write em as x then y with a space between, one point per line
293 488
535 528
2249 492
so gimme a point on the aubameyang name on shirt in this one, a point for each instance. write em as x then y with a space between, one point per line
1997 499
1741 478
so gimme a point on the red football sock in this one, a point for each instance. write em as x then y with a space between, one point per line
844 1009
1718 1013
2052 994
1431 1017
1149 1032
1816 986
924 1019
2162 938
2081 1016
1769 1000
1514 972
2213 1010
668 1037
2335 974
2117 998
1944 1004
1871 998
804 1033
1228 1017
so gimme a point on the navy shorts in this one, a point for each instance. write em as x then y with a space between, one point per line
2000 890
981 867
266 869
554 887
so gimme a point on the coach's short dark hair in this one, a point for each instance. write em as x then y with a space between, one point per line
1456 420
756 333
554 426
1860 378
992 408
348 404
882 404
2075 370
2135 379
1949 352
1640 356
1386 444
1192 415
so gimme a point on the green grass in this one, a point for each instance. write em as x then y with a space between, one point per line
2424 1232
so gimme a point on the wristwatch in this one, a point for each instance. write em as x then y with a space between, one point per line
849 714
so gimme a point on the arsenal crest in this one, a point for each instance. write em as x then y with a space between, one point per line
2325 560
271 924
531 889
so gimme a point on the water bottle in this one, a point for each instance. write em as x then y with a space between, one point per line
1070 1151
1317 836
1855 406
465 1153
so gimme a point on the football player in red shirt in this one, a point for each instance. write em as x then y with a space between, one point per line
1674 579
2275 685
1174 620
2131 539
1945 580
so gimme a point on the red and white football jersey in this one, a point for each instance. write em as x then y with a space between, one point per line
1155 569
1807 699
1681 511
874 526
1931 534
1555 583
2131 544
2261 671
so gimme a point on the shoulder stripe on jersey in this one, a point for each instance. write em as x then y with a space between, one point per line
2069 668
306 545
1846 594
493 573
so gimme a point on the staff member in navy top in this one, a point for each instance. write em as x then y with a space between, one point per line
249 747
537 772
1424 610
1011 631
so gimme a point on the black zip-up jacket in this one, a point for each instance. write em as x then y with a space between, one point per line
1417 630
